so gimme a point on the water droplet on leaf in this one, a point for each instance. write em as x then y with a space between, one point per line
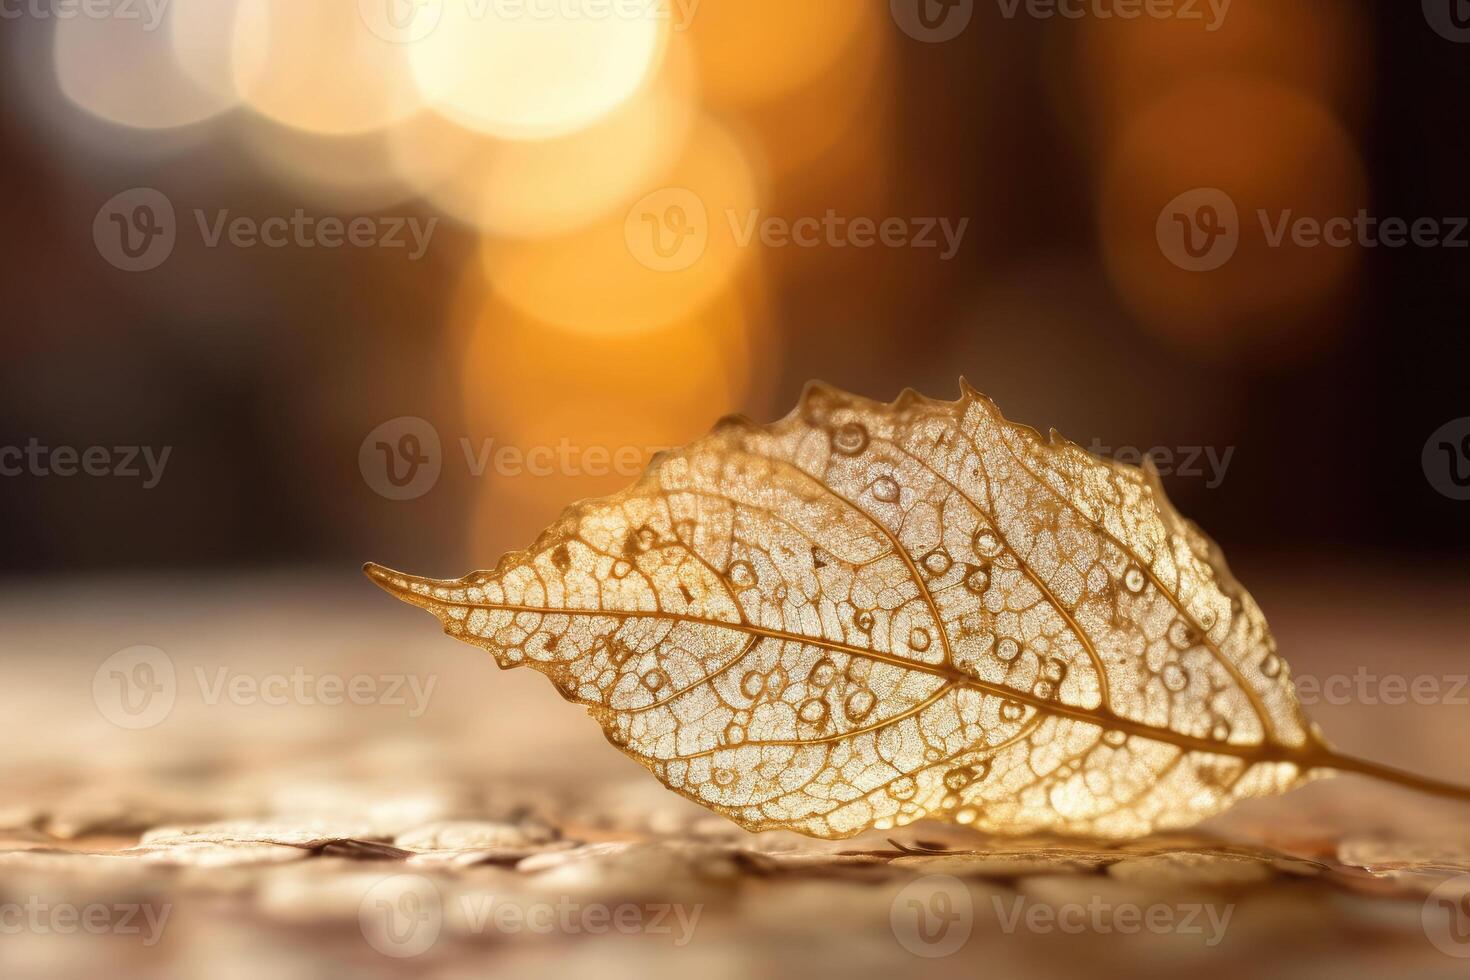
987 543
850 439
961 776
937 563
1181 635
753 684
813 710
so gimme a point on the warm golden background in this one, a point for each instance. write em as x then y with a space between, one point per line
534 319
529 320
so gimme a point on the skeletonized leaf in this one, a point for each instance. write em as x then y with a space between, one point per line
866 614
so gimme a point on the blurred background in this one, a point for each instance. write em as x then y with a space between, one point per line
293 285
1022 161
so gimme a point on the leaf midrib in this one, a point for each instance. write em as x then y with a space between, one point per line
1105 719
1258 707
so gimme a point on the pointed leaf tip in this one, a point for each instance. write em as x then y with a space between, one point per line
379 574
399 585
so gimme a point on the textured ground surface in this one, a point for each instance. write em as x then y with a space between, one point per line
461 821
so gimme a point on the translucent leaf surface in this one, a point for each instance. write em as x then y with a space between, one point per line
866 614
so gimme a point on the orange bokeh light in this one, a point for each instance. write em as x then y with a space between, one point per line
644 267
585 422
752 51
1109 70
1273 152
318 67
541 188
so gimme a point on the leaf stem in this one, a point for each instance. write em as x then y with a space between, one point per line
1327 758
